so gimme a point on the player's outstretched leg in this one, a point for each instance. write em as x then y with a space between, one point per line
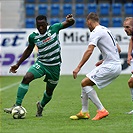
39 109
9 110
130 113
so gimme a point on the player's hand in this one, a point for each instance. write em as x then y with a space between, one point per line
75 72
69 17
129 60
13 68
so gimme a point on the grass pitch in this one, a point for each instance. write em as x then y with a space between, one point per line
66 102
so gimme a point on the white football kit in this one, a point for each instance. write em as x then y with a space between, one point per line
105 73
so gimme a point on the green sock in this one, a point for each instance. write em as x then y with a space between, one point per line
45 99
22 90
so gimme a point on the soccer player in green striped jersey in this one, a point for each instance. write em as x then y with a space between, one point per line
48 60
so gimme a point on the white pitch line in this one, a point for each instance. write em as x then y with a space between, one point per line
9 86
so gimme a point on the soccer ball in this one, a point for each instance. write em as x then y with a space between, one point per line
19 112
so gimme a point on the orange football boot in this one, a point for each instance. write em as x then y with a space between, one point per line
101 114
80 115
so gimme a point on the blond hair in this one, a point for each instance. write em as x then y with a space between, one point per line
129 19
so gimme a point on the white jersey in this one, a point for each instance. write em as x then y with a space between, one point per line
105 41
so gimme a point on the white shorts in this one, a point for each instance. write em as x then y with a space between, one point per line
104 74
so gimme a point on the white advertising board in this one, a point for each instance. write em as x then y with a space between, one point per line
73 43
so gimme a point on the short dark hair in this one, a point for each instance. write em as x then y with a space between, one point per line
93 16
41 17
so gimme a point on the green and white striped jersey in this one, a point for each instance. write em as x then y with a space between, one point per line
48 45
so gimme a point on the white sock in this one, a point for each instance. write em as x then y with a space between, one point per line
87 89
131 93
84 100
92 95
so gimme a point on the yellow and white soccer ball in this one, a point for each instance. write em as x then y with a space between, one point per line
19 112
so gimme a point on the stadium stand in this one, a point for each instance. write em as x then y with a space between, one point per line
30 10
111 12
43 9
104 9
67 9
79 9
128 8
104 21
67 1
91 1
43 1
30 1
92 8
116 9
80 23
117 22
55 10
54 20
80 1
55 1
29 23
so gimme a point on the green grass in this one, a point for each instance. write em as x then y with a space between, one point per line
66 102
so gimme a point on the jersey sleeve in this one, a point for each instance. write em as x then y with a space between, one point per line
31 40
94 38
57 26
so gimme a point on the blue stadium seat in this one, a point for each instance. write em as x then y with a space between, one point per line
55 9
30 1
79 9
54 20
104 22
30 10
117 22
30 23
92 8
67 1
79 1
42 1
128 8
80 23
42 9
67 9
91 1
104 9
116 9
55 1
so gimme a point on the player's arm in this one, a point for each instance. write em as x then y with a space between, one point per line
118 47
69 21
24 56
85 57
130 47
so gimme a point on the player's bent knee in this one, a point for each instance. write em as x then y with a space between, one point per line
28 78
84 83
87 82
130 83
